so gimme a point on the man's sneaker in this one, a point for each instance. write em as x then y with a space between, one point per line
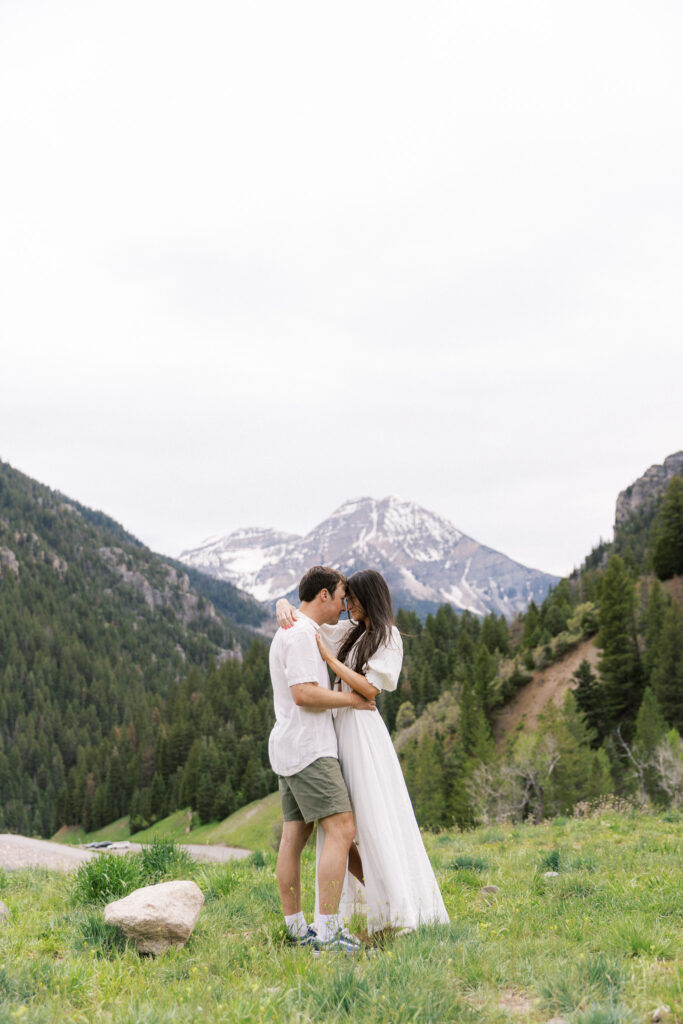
310 939
342 942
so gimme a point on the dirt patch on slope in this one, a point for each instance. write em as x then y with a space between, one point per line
547 684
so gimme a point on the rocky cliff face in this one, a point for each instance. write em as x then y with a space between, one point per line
649 486
424 558
172 592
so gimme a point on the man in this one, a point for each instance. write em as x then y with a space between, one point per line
303 753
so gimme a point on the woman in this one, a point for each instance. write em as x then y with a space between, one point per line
365 653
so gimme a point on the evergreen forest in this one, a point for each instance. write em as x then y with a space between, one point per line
129 686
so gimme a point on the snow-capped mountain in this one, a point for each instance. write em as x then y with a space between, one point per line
425 560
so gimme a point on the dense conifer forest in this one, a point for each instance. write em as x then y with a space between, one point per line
128 686
95 631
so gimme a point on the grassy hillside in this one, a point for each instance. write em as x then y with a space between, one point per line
595 944
252 827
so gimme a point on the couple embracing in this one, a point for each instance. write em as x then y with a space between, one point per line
337 765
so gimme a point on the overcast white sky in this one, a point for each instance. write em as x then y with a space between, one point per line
257 258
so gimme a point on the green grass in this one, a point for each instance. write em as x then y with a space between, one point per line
252 827
110 876
598 944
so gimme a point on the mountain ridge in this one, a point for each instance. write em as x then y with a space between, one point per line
426 560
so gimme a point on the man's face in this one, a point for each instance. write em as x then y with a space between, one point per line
335 605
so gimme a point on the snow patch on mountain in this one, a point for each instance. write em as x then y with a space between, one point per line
424 558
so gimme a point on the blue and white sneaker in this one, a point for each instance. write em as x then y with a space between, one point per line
341 942
310 940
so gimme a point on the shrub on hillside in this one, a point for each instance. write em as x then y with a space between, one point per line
514 682
584 619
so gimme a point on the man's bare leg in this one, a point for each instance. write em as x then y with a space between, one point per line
295 835
339 831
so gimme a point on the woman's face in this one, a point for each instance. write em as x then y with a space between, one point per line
355 608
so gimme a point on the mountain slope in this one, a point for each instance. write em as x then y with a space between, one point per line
94 630
424 558
547 684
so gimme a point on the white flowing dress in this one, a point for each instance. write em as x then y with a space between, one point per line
400 887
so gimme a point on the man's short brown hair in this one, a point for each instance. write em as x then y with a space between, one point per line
320 577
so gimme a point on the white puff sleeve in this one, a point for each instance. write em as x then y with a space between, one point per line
384 667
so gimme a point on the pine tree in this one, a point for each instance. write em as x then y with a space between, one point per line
224 804
573 736
100 813
650 728
589 696
653 622
136 814
188 794
600 781
531 633
481 744
620 668
206 781
667 557
485 666
458 804
116 794
495 634
464 656
650 725
429 799
253 782
475 731
158 797
666 677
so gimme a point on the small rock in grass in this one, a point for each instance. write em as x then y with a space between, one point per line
489 888
557 1020
551 874
660 1013
4 912
157 917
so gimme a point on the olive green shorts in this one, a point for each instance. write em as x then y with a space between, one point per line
316 792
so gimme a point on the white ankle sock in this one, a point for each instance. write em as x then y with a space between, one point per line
296 925
327 926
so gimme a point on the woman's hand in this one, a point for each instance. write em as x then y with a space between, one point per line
285 613
325 653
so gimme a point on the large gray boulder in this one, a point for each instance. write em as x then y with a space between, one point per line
157 916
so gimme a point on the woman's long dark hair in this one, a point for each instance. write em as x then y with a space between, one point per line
371 591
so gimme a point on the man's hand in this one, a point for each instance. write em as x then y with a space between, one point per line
361 704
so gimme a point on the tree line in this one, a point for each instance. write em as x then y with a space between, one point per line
112 704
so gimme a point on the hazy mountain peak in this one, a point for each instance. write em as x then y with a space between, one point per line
425 559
